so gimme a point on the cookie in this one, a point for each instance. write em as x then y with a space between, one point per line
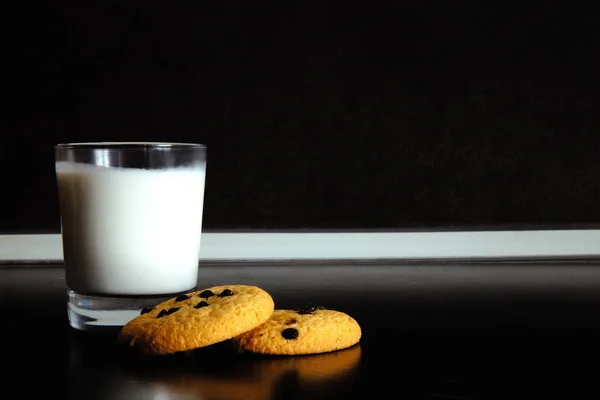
309 330
197 319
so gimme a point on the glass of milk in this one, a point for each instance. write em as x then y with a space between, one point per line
131 219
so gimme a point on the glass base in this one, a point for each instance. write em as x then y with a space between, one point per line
107 314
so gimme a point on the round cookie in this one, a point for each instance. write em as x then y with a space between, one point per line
197 319
310 330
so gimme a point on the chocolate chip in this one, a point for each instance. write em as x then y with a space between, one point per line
290 333
291 321
309 309
206 294
182 297
201 304
162 313
226 293
146 310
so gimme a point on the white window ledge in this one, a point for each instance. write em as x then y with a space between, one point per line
277 246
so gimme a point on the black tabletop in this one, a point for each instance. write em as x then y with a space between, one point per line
447 331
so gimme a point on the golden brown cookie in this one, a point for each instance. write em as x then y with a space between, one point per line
198 319
310 330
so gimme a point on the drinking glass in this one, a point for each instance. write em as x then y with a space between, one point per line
131 222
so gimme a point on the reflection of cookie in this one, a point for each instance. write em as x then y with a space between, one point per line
259 377
306 331
210 388
313 367
198 319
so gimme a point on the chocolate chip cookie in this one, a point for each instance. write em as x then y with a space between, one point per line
197 319
309 330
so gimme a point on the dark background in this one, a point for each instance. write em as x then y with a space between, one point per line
316 114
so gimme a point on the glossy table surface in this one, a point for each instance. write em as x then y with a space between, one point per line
445 331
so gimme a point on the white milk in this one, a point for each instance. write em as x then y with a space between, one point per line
130 231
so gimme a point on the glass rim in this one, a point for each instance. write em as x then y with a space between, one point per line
129 145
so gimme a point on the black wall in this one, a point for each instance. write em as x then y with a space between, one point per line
316 114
